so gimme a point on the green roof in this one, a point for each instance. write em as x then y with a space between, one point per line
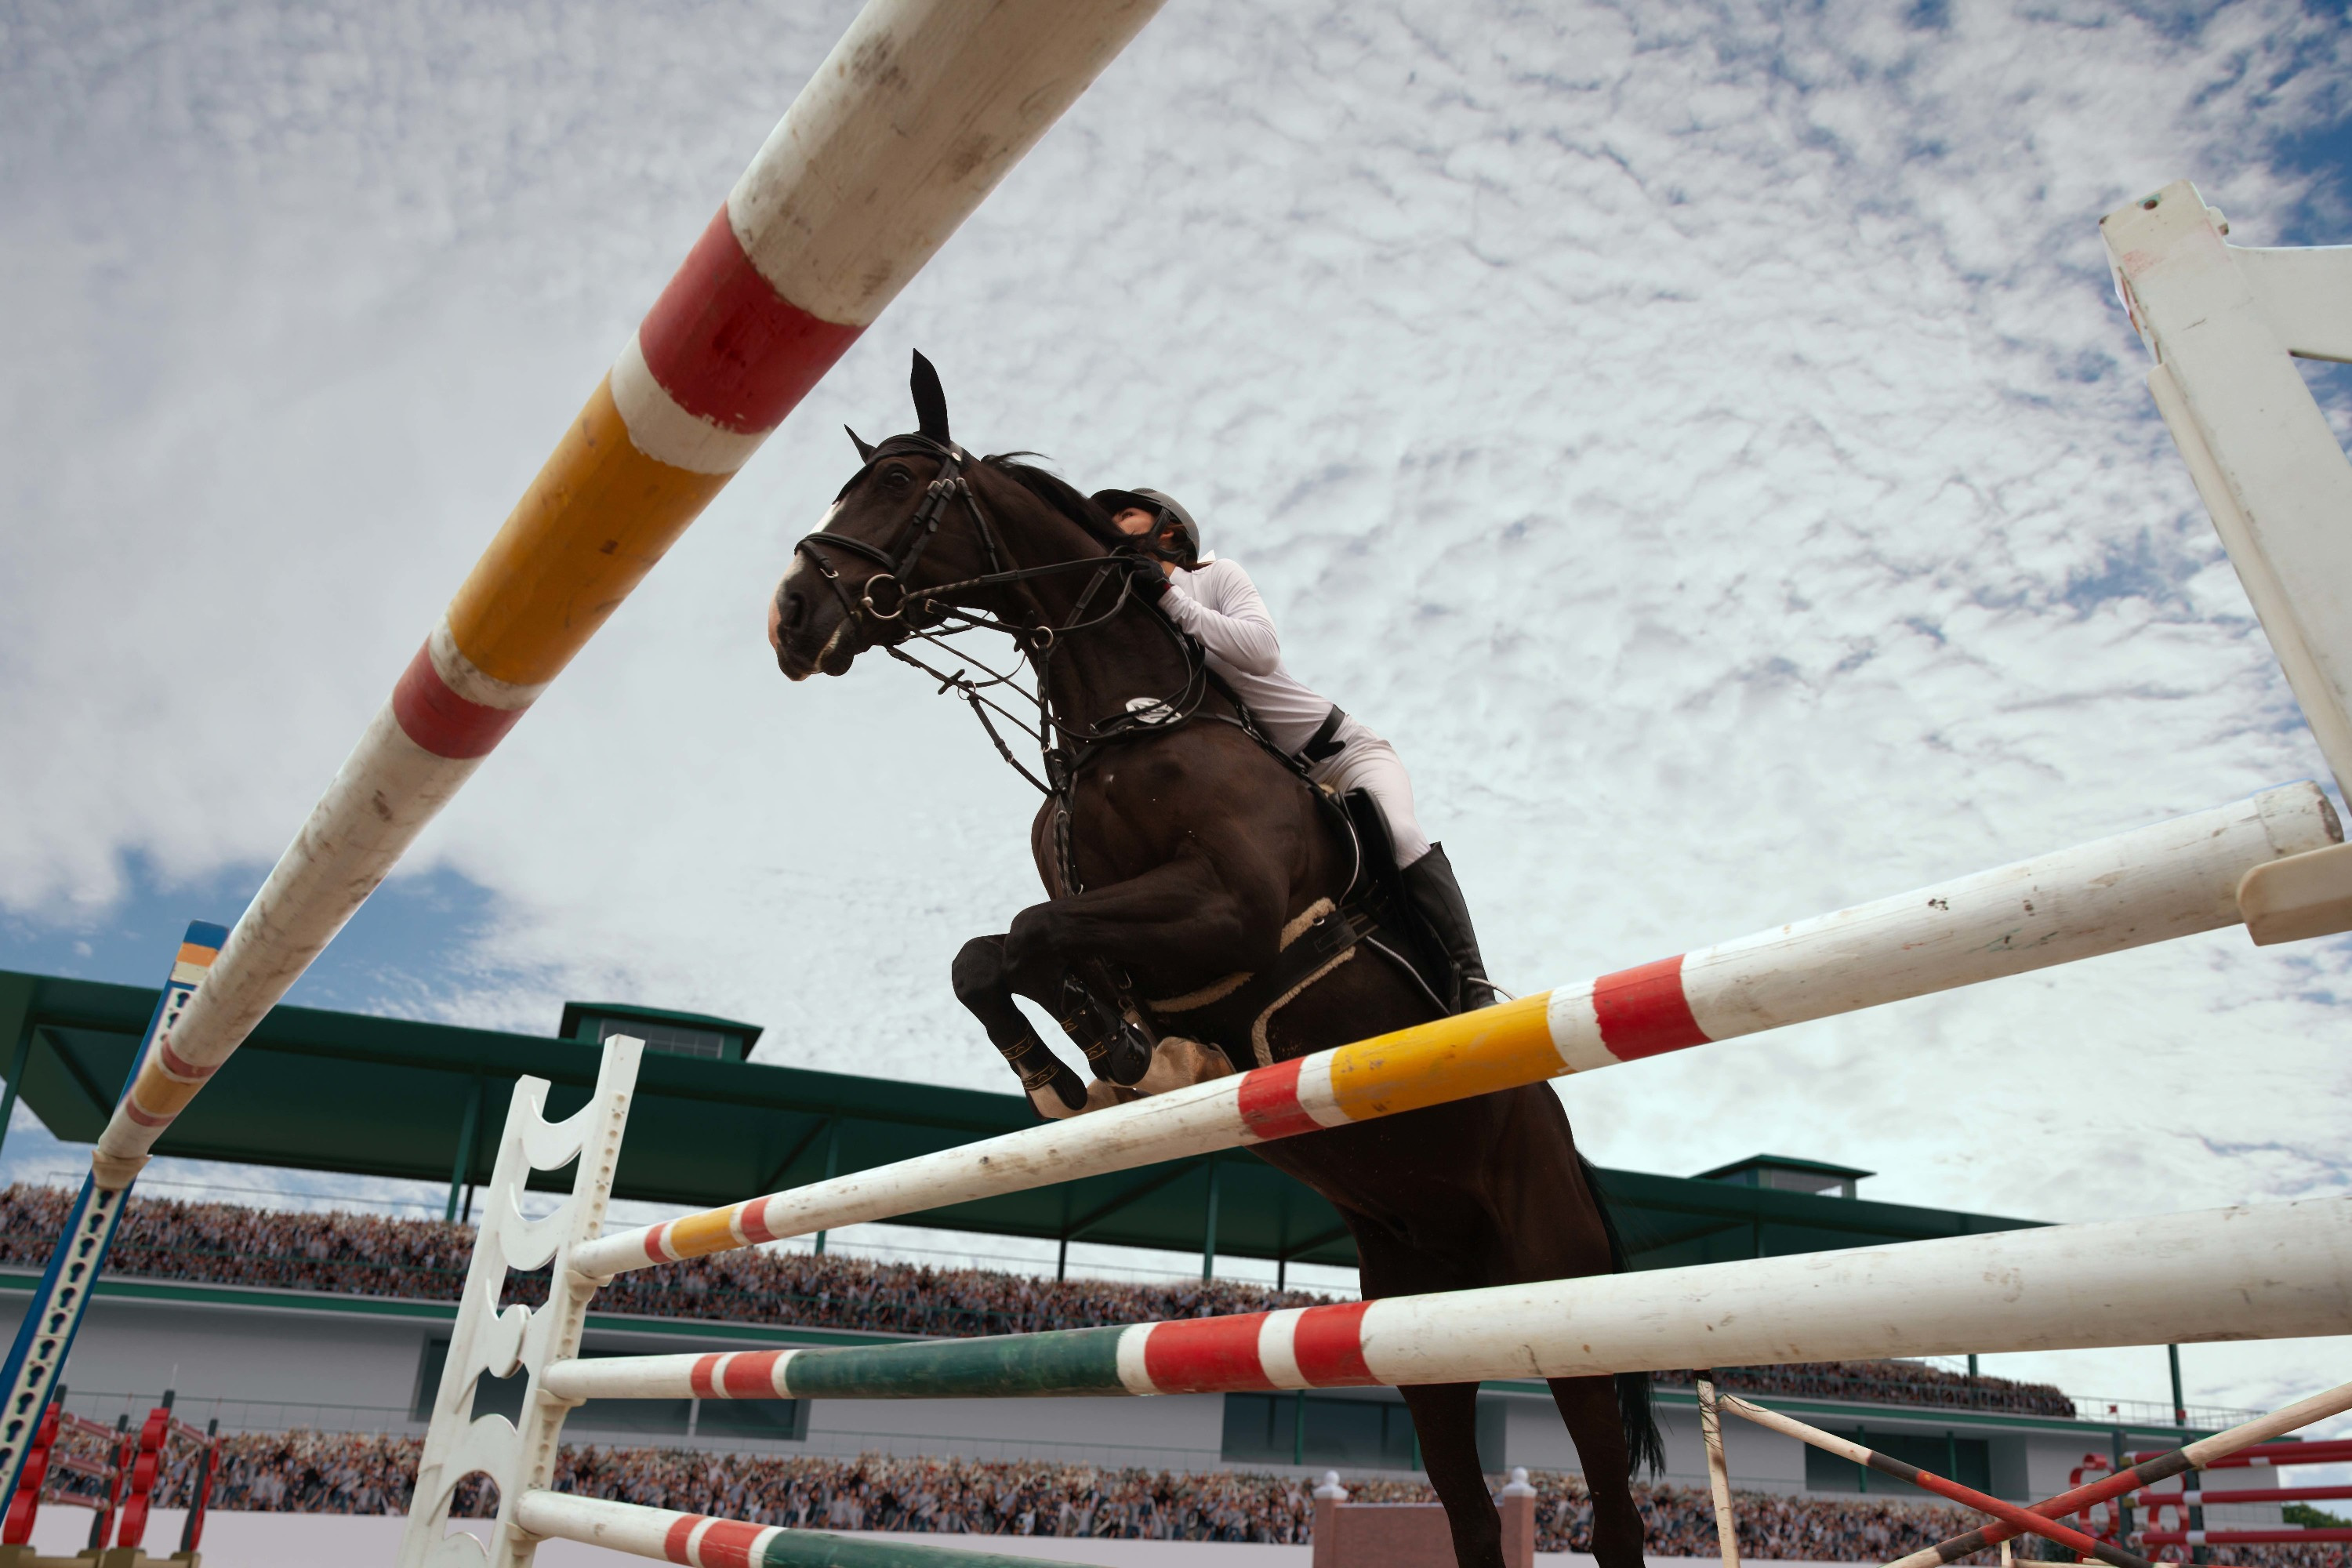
574 1012
359 1095
1783 1162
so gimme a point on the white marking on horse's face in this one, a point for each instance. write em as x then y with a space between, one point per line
800 562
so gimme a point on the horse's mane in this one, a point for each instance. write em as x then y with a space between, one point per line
1061 495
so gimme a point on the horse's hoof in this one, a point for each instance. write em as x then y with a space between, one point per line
1125 1055
1060 1095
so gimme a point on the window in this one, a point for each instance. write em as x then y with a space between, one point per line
670 1040
1319 1430
779 1420
1966 1461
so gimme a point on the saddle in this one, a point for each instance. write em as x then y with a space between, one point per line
1374 919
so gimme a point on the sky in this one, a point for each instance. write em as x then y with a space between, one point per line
1701 436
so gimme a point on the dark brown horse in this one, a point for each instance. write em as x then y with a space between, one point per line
1196 854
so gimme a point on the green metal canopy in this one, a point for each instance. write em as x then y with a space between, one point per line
357 1095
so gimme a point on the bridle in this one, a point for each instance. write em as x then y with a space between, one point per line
915 535
904 611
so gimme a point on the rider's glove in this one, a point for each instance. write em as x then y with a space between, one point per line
1145 581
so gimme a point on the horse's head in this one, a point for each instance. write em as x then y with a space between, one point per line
919 513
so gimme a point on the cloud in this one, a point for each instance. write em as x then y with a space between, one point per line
1700 435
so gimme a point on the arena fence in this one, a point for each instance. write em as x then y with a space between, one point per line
2186 1504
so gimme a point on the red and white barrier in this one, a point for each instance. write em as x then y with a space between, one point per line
2168 881
2281 1536
2331 1452
2198 1496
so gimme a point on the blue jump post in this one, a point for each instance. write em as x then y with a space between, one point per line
46 1335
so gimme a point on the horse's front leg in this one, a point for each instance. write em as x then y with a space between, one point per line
985 983
1181 922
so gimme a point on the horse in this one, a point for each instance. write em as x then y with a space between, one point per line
1182 855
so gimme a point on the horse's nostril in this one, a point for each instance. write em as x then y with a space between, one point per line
795 612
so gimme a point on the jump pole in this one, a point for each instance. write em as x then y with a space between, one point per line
1719 1469
698 1541
918 111
912 120
2268 1272
37 1358
2155 883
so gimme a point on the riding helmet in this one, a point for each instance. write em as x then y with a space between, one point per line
1161 505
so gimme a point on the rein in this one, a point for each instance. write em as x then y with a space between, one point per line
915 613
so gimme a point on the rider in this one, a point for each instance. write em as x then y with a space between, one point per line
1215 601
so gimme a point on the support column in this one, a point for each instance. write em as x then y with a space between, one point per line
832 1163
468 1133
2119 1457
16 1060
1209 1231
2195 1479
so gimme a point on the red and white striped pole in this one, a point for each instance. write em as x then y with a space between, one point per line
918 111
2154 883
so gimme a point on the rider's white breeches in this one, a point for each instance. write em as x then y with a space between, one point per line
1367 762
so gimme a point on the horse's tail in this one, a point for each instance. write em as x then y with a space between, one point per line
1646 1449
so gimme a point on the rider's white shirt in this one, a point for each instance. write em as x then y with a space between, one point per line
1220 605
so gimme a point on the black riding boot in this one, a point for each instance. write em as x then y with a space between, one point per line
1438 897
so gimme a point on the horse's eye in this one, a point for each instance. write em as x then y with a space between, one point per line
895 480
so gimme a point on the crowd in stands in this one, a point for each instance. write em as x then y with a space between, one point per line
321 1473
369 1255
1891 1382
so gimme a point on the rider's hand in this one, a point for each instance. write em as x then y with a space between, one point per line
1145 581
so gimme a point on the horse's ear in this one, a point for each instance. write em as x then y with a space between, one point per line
930 400
864 447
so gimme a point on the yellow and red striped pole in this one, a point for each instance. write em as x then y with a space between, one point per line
918 111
